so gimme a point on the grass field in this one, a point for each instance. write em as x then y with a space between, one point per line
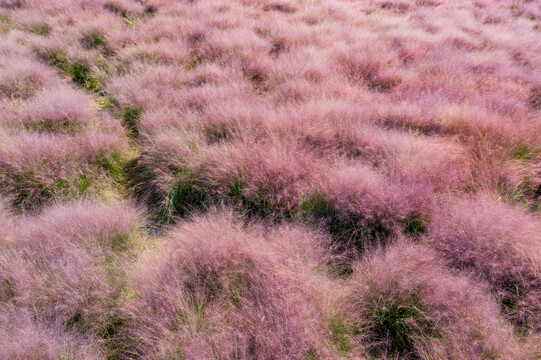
270 179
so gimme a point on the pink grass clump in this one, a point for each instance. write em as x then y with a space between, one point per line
23 338
363 208
57 109
362 69
216 289
62 266
35 167
21 77
409 305
499 244
276 172
61 279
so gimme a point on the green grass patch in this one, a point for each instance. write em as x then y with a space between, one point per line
5 23
398 323
117 168
81 73
522 152
316 205
50 126
393 323
340 335
106 102
194 60
130 119
183 197
113 166
97 41
414 226
348 230
7 289
120 242
83 184
78 71
40 29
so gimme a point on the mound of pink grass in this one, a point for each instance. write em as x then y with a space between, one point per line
59 109
61 277
214 288
499 244
24 338
410 306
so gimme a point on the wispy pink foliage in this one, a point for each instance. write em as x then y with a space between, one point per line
358 189
23 338
59 108
216 289
277 171
412 306
366 119
498 243
6 223
35 167
60 267
21 76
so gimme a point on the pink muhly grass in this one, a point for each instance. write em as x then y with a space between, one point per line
21 77
276 172
499 244
409 305
63 266
359 189
57 109
23 338
6 223
361 68
216 289
364 209
371 120
165 51
37 167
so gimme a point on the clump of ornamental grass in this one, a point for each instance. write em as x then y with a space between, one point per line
64 268
411 307
22 76
57 110
24 338
39 167
219 289
499 244
362 208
